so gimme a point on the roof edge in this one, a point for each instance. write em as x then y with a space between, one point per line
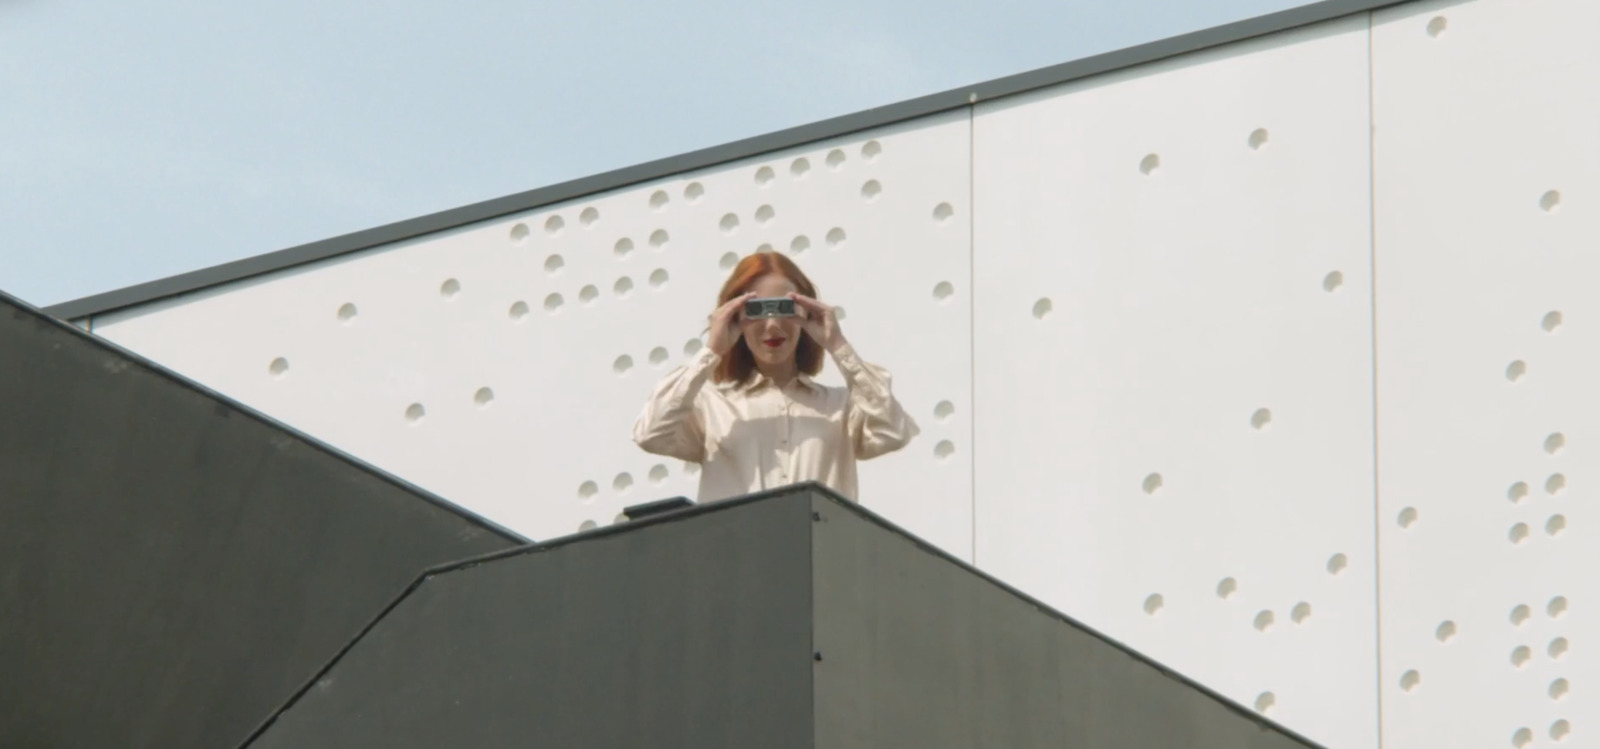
923 106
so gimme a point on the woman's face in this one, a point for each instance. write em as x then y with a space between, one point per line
772 339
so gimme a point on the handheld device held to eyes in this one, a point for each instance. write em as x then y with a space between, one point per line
769 307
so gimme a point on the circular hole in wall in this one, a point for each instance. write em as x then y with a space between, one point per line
1557 648
1410 680
1300 613
1554 443
1520 614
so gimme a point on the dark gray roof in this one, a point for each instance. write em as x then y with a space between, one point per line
740 149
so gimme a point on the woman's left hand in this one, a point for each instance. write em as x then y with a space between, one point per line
819 322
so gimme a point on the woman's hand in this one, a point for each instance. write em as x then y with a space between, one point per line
819 322
725 325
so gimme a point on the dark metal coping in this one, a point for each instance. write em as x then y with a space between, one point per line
688 513
876 117
248 412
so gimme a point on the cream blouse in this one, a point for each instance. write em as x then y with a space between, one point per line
756 436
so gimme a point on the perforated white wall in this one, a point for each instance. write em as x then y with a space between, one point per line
1488 179
502 365
1174 355
1273 361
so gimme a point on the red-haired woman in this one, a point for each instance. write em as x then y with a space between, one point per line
762 422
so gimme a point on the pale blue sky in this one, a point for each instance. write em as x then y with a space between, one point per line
147 138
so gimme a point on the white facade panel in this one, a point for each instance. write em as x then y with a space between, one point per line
1174 366
502 365
1488 226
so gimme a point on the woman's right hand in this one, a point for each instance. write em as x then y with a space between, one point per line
725 325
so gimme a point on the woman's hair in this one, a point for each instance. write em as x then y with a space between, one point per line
740 364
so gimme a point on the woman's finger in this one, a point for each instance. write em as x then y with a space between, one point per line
808 302
732 305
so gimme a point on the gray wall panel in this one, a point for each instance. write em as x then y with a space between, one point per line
920 650
172 567
684 633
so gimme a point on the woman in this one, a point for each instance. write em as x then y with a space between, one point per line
746 409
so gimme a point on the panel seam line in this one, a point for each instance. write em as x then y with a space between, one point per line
1372 265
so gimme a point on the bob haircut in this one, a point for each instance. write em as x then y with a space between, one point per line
740 365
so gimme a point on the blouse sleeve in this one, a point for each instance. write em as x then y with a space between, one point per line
877 423
670 424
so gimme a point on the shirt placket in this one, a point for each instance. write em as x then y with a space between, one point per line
786 437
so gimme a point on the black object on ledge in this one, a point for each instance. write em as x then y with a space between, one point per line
657 507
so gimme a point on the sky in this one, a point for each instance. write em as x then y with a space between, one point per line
139 140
